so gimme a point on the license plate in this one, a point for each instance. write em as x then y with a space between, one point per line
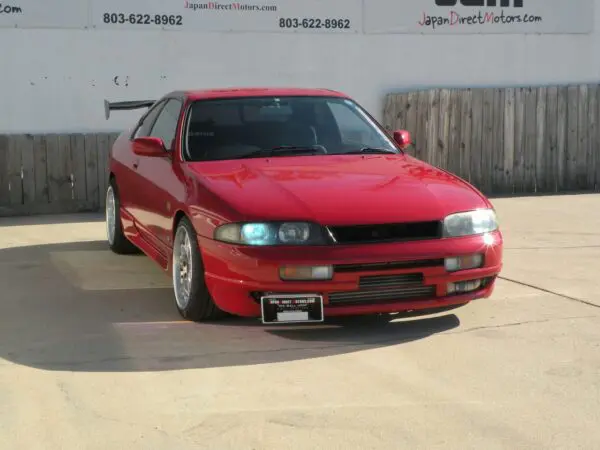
291 308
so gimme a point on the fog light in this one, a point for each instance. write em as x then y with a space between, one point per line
463 286
463 262
306 273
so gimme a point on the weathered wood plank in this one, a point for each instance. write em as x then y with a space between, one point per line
24 145
561 138
102 149
400 111
530 142
388 115
572 137
412 111
443 144
454 141
59 168
541 182
466 121
91 168
519 153
433 120
497 149
581 176
592 147
40 168
78 164
476 137
551 140
487 142
509 141
15 176
421 131
596 143
4 191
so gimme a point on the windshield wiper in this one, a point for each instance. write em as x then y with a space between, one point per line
285 149
377 150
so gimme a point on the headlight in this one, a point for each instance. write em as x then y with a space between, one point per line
468 223
271 233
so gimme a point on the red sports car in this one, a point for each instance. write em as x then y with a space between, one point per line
293 205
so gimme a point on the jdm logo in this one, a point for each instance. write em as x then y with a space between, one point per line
480 3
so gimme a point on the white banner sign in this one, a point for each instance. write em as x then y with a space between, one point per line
478 16
43 14
306 16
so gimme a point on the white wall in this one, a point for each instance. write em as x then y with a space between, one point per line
56 80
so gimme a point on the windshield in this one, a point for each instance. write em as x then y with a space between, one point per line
247 127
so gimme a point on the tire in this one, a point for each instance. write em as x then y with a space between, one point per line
192 299
117 241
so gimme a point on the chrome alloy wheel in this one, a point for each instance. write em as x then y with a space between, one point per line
182 267
111 215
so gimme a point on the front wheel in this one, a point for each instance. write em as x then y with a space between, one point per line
192 298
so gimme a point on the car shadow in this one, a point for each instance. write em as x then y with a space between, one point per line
78 307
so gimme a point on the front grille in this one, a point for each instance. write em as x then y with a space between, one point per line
393 232
379 266
384 289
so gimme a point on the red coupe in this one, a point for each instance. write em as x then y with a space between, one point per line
292 205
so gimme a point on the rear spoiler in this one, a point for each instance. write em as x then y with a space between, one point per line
120 106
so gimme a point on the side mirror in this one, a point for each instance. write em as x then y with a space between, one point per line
149 146
402 138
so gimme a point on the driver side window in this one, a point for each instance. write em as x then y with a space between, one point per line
165 126
144 127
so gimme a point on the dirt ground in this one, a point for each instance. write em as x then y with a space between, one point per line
94 356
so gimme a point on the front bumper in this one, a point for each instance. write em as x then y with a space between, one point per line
236 276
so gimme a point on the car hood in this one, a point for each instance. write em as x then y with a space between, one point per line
337 190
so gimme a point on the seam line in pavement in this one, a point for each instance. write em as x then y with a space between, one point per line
567 297
516 324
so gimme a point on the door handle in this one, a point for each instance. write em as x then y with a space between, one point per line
136 164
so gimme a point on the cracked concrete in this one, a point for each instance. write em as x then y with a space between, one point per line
95 357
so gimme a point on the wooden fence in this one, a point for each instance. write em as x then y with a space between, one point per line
53 173
506 140
503 140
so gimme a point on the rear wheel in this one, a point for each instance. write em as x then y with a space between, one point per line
192 298
117 241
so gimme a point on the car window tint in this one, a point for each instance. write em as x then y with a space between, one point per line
217 114
144 128
165 126
351 126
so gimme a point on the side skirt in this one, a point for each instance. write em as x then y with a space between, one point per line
135 233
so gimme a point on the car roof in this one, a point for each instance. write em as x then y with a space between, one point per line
202 94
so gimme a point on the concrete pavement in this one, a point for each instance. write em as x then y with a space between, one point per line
94 356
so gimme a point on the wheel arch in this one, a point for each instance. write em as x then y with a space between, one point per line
112 179
179 214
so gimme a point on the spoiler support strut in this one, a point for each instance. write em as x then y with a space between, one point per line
123 106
